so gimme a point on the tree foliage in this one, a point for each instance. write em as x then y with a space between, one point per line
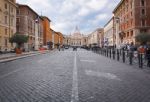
143 38
19 39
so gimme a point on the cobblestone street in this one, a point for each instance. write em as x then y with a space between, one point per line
72 76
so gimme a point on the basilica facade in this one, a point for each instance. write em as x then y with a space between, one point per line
76 39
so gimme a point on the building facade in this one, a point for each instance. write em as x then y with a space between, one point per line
75 39
47 33
109 36
61 38
96 38
31 24
7 23
131 18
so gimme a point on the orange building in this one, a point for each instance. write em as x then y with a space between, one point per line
47 33
61 38
58 39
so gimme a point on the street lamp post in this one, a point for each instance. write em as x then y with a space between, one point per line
117 19
37 33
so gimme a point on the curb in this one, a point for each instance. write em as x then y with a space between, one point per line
9 59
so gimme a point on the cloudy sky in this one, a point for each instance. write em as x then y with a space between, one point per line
67 14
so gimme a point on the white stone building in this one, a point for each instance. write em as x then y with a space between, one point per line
96 38
109 36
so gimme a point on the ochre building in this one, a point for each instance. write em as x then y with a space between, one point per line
7 23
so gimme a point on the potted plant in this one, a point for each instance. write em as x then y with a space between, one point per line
19 40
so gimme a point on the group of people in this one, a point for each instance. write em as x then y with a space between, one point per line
142 49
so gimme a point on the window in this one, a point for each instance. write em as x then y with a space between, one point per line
12 32
131 5
5 42
143 11
142 2
18 20
11 22
5 31
131 14
132 22
12 9
131 33
127 34
5 19
5 6
17 28
18 12
143 22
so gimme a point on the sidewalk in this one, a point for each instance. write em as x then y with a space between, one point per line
14 56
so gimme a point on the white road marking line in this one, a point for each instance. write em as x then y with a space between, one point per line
102 74
75 97
10 73
87 61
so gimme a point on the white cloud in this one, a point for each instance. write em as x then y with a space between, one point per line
66 14
102 16
97 4
83 12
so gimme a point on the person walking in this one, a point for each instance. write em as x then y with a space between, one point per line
148 56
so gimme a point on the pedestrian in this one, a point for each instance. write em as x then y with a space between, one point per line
141 49
148 56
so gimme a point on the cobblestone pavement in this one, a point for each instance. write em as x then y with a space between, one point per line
72 76
105 80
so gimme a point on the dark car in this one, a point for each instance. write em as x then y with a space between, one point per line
1 52
74 48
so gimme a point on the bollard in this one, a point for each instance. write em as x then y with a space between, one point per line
120 52
140 59
130 57
110 53
118 55
123 56
113 53
107 52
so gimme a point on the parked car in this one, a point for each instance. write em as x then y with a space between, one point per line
66 47
1 52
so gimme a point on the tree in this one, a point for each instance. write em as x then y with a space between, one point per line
142 38
19 39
